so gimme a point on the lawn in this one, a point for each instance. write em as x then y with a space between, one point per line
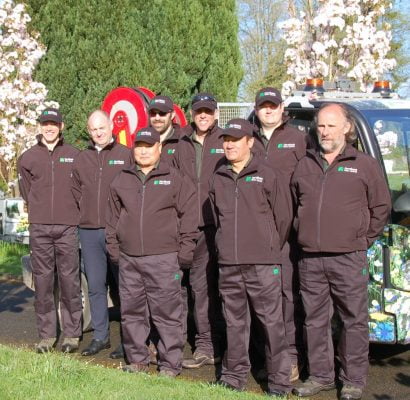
27 375
10 259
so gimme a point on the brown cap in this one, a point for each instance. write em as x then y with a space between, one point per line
161 103
51 114
204 100
147 135
238 128
268 94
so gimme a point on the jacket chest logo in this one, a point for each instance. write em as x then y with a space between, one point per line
258 179
217 151
286 145
171 151
161 182
347 169
66 159
115 162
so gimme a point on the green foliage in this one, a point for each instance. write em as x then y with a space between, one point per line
26 375
10 258
172 48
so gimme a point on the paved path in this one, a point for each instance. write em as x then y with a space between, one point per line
389 365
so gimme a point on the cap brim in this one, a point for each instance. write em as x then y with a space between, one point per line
268 99
209 105
160 107
234 133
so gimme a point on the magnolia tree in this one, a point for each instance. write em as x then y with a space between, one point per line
21 98
335 38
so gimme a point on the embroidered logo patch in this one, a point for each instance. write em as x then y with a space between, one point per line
161 182
66 160
347 169
217 151
171 151
286 145
115 162
254 179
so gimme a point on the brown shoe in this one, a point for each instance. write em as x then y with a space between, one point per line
133 368
199 359
167 373
46 345
350 392
311 387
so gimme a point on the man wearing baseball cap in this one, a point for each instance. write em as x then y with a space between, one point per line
45 185
252 214
199 151
151 232
282 146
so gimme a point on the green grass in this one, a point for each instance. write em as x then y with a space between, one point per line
10 258
27 375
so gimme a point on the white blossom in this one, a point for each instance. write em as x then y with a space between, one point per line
342 37
21 98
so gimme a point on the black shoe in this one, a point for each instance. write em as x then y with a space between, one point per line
95 347
311 387
227 385
118 352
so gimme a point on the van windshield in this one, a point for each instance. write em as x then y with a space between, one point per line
392 130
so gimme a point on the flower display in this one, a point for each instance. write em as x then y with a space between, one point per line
339 38
21 98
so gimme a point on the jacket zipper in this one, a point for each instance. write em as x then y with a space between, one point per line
320 208
142 219
236 221
52 187
99 187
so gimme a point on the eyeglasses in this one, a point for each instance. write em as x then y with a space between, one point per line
202 98
153 113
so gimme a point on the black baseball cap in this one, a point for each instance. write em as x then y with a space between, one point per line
204 100
161 103
268 94
51 114
147 135
238 128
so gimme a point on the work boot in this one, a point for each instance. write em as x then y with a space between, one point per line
350 392
70 344
137 367
199 359
118 352
45 345
311 387
167 373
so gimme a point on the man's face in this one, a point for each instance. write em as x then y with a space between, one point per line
147 155
50 131
332 128
100 129
269 114
160 120
203 119
237 150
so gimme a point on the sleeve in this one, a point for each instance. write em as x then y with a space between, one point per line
24 179
212 201
281 203
379 202
188 226
76 184
112 215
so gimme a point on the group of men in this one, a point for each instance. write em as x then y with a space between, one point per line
255 224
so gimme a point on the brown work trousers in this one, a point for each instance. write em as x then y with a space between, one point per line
55 248
336 281
150 287
256 287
